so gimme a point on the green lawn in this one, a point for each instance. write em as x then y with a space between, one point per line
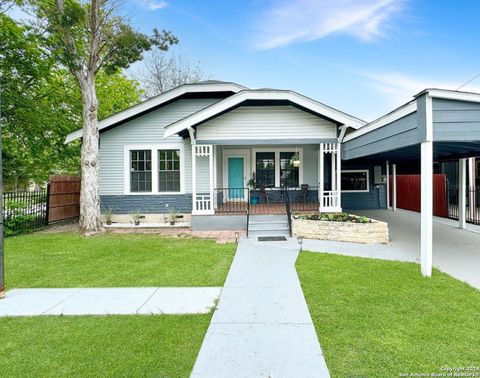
379 318
109 260
103 346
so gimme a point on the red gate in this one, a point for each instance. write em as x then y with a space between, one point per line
408 193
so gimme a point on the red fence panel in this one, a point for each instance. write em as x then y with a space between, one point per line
63 198
408 193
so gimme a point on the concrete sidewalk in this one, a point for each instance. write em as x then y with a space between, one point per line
109 301
262 326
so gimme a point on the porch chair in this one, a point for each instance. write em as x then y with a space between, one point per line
304 190
263 193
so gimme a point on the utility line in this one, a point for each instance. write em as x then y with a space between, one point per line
467 82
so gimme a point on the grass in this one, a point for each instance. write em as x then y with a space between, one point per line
379 318
114 260
103 346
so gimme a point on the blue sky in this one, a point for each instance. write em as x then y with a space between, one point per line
364 57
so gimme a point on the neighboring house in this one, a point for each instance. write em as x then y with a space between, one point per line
196 149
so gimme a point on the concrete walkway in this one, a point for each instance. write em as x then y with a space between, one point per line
109 301
262 326
455 251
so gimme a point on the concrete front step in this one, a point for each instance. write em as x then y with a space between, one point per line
268 226
269 222
268 218
255 234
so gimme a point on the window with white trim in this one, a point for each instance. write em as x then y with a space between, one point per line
355 181
169 170
140 171
265 169
289 175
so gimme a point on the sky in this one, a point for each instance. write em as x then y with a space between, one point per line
364 57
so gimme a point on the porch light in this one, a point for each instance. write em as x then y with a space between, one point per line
300 242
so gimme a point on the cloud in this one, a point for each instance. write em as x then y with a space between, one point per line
290 21
154 4
400 87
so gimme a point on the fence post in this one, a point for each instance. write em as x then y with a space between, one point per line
47 211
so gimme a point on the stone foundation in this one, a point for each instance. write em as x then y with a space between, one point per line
375 232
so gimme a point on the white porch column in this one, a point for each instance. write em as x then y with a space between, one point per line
338 187
333 171
471 185
387 173
394 187
462 195
215 183
426 188
320 176
426 207
211 176
194 178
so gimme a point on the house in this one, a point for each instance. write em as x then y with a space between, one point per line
219 152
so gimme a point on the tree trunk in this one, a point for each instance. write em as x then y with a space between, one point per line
90 220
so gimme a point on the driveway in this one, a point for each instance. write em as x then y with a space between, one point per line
455 251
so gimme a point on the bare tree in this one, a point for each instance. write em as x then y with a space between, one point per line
162 72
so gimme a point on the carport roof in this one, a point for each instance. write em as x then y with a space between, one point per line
453 118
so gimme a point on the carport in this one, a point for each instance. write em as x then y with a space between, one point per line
437 125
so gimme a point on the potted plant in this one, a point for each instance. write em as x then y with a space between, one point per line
252 184
295 160
172 217
136 217
108 215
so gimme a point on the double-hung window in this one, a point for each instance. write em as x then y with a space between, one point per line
265 169
154 169
288 173
140 171
168 170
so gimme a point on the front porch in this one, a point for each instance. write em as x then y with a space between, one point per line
263 179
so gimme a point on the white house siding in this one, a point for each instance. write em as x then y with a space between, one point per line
266 123
147 129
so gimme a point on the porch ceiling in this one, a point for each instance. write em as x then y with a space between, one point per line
262 142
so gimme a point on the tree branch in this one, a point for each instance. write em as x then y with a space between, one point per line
69 42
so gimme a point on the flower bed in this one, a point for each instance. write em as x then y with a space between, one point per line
340 227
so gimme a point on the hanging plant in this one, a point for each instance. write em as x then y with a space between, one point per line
295 160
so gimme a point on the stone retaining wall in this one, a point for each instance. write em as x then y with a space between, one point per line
375 232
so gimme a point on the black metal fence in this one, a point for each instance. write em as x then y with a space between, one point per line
472 203
24 211
266 200
232 200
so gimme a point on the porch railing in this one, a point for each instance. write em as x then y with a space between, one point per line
232 200
331 199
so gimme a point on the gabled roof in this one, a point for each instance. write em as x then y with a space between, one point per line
263 95
209 86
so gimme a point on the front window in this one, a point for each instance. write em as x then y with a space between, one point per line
169 170
140 171
288 173
355 181
265 169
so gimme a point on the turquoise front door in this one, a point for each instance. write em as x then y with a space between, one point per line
235 177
